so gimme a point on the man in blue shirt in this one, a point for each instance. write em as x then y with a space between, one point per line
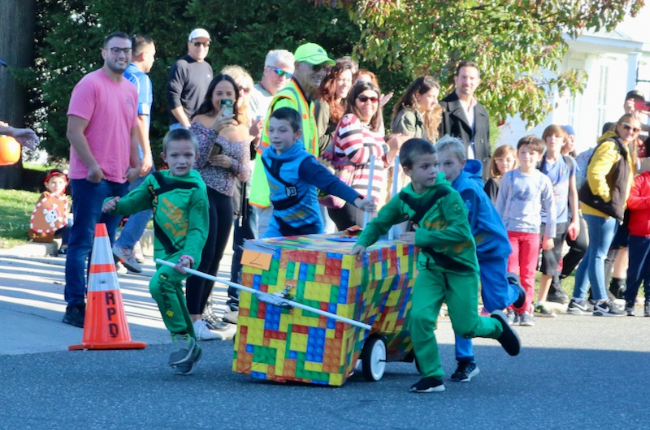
144 52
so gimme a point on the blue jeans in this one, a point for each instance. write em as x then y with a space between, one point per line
137 223
87 201
592 267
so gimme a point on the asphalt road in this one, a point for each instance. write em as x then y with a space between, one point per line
573 372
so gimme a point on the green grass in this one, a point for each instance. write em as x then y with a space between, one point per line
15 210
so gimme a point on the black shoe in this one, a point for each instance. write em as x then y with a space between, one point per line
513 279
509 338
608 309
629 308
465 371
75 315
428 385
580 307
617 287
558 297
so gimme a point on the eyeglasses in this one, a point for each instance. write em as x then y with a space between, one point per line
628 127
198 44
362 98
116 50
281 73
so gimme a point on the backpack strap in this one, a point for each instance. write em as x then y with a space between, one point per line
166 186
421 208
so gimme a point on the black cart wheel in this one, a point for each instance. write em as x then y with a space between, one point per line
373 359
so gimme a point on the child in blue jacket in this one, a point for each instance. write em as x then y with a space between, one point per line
492 245
294 175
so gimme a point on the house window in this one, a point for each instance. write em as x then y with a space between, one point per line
602 96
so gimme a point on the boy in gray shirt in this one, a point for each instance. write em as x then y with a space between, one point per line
523 194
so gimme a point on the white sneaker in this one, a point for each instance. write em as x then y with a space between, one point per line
137 252
120 269
202 331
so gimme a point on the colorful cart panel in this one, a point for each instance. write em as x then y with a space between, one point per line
290 344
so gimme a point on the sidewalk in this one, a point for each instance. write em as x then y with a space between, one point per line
32 306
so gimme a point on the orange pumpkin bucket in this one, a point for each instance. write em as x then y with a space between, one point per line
9 150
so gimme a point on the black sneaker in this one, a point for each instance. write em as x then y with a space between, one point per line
75 315
509 338
608 309
580 307
184 347
428 385
465 371
558 297
617 287
629 309
513 279
187 367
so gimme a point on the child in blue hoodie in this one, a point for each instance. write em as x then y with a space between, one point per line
492 245
294 175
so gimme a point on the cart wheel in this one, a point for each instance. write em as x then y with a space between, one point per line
373 359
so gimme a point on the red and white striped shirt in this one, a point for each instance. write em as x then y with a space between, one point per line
356 142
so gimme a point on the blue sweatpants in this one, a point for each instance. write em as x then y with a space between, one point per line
497 294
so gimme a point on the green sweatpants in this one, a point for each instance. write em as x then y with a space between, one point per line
166 288
460 292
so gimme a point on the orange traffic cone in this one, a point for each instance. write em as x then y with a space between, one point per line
105 326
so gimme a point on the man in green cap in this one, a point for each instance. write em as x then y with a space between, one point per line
310 69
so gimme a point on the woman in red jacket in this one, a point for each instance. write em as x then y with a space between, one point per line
639 244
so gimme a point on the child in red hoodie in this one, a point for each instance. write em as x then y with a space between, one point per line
639 245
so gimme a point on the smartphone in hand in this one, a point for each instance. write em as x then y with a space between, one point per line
226 107
216 150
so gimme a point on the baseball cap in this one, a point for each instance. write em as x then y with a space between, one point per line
199 32
635 94
313 54
569 130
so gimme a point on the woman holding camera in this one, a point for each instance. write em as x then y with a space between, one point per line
221 127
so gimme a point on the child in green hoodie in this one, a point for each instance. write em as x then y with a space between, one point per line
447 263
179 201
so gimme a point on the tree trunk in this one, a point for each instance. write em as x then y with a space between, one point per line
17 21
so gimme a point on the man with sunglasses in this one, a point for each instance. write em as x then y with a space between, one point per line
102 129
188 82
311 62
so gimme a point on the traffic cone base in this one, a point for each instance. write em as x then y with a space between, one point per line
105 326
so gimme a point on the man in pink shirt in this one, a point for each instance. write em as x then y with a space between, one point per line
102 125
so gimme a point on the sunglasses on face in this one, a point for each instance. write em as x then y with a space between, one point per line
628 127
281 73
364 99
116 51
206 44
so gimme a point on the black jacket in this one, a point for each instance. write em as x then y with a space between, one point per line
454 123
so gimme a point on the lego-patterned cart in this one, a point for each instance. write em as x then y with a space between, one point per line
290 344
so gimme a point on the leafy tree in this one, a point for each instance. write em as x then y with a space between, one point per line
519 44
242 33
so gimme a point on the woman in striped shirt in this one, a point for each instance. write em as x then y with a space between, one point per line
359 135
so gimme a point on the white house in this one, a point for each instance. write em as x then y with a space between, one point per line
616 62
